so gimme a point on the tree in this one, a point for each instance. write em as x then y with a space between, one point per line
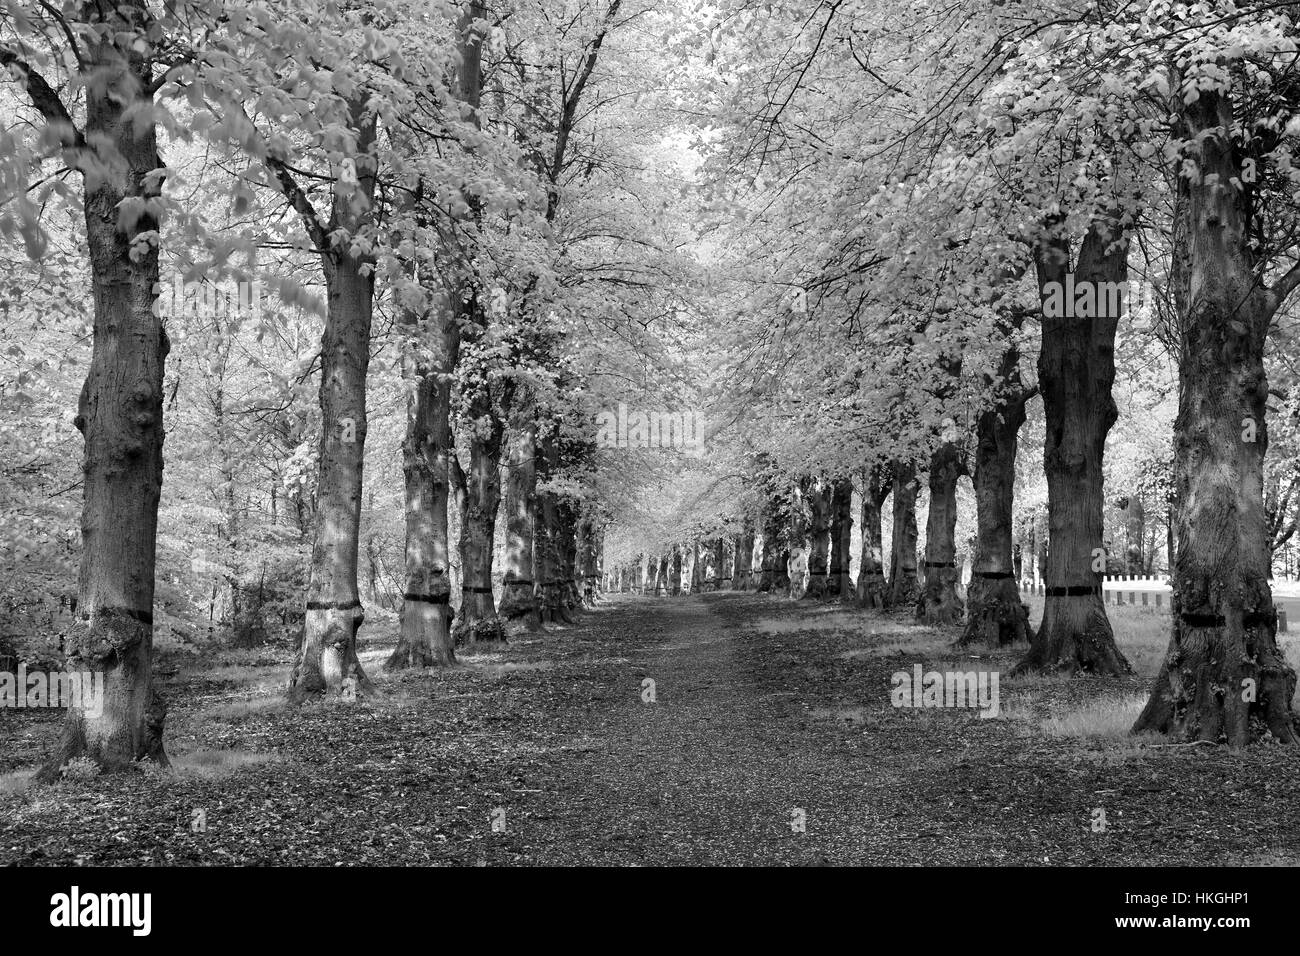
995 615
1223 677
1076 368
116 53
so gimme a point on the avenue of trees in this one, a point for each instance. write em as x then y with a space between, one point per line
1003 286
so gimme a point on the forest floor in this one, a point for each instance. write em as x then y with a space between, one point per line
766 713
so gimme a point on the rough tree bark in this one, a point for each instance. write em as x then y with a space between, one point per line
904 588
518 597
586 574
818 494
938 602
328 655
120 408
871 590
547 546
1076 368
661 575
995 615
566 511
425 637
1223 677
742 572
840 582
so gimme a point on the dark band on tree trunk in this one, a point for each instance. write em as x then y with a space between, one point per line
995 575
428 598
1074 590
1255 619
333 605
941 564
520 581
471 590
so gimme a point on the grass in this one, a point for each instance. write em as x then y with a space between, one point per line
16 781
212 763
817 617
237 710
1102 719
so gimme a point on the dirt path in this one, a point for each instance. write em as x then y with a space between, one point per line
750 726
546 753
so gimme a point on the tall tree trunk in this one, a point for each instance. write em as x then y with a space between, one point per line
586 568
820 503
938 602
1134 529
742 572
1223 677
840 582
518 597
904 588
119 412
767 557
567 536
1076 368
675 572
425 637
547 546
481 487
719 555
871 590
328 654
995 615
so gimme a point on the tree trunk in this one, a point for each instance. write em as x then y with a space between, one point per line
742 572
546 530
1134 529
938 602
697 569
821 507
425 637
719 564
904 588
567 535
518 597
1076 368
328 654
586 569
481 487
840 582
995 615
120 417
871 590
675 572
1223 677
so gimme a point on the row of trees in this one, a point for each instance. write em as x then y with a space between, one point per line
833 229
464 198
892 311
